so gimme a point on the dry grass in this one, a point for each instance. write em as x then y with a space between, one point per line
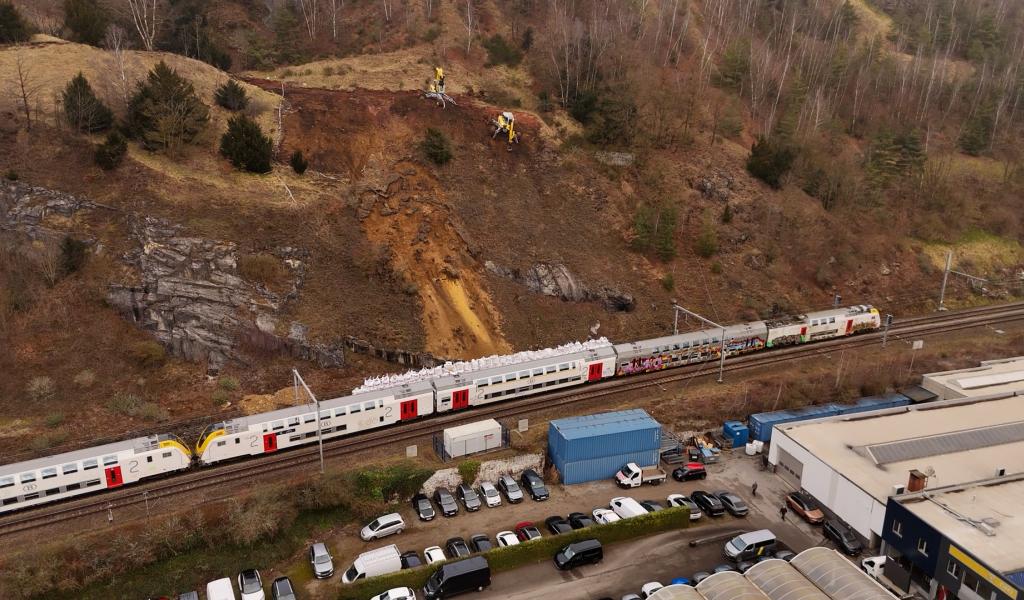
984 251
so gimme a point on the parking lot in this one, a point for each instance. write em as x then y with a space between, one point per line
626 566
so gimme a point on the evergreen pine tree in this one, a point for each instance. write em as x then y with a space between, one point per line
87 20
231 96
769 161
82 109
245 145
299 162
13 28
165 111
977 133
111 152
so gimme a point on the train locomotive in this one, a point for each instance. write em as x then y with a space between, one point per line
391 399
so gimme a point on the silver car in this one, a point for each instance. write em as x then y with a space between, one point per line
321 561
490 494
510 488
383 526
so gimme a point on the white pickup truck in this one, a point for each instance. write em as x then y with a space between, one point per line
632 475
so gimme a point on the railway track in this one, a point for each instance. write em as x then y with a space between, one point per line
222 476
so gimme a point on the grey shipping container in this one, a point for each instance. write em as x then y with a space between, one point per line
601 435
581 471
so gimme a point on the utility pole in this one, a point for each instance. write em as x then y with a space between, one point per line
885 332
675 328
945 278
296 382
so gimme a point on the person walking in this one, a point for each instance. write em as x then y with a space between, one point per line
753 489
782 512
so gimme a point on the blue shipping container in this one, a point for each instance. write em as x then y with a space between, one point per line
601 435
736 432
593 469
761 424
892 400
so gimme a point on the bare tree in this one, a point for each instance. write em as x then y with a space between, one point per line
470 23
145 17
115 41
387 9
428 8
336 7
310 14
28 88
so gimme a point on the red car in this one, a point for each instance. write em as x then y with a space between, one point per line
806 507
527 531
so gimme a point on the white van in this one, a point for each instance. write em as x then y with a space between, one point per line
373 563
751 545
383 527
626 507
220 589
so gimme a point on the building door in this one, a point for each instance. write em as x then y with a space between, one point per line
790 468
460 399
114 478
269 442
596 371
407 410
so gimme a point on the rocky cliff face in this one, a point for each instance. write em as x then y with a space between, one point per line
555 279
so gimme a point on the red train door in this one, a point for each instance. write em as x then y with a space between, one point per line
460 399
803 334
269 442
114 478
408 410
849 326
596 371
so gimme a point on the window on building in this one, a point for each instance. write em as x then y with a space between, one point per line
897 528
922 546
954 568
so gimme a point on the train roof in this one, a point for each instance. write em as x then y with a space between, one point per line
483 367
731 331
845 311
76 455
595 352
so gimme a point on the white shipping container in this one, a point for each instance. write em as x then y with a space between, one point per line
472 438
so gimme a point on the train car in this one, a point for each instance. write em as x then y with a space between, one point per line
482 382
822 325
60 476
297 425
686 348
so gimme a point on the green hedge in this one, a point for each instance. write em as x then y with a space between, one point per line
512 557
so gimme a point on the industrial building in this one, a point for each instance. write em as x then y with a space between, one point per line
814 574
1002 376
958 541
852 463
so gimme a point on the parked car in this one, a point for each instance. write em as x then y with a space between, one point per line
506 538
434 554
632 597
785 555
193 595
490 494
250 585
527 531
480 543
578 520
689 472
744 566
577 554
282 589
626 507
220 589
557 525
424 509
468 497
722 568
843 536
750 545
708 503
681 500
384 526
510 488
647 590
411 560
402 593
873 565
699 576
321 560
805 506
604 516
534 485
733 503
651 505
457 547
446 502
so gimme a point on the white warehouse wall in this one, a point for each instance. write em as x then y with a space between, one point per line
840 495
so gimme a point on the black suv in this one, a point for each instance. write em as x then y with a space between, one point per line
480 543
558 524
457 548
424 509
579 520
470 499
534 485
446 502
708 503
843 536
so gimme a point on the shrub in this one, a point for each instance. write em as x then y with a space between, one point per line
111 152
707 241
655 228
220 397
165 111
382 483
228 384
44 442
500 52
431 34
82 109
468 470
231 96
976 136
54 419
13 28
727 214
769 161
299 162
128 404
11 175
436 147
264 269
527 42
72 255
583 106
87 21
668 282
151 411
259 517
41 389
245 145
147 354
84 378
716 268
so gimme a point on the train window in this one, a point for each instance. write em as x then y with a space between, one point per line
538 372
295 438
510 377
7 501
831 319
109 460
51 491
497 379
6 482
71 468
31 496
325 414
342 427
89 464
292 422
339 412
354 409
72 486
369 406
309 418
221 443
277 425
92 483
482 383
166 454
28 477
238 441
49 472
563 367
550 369
149 459
524 374
538 385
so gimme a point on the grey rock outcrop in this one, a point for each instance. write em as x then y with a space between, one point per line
555 279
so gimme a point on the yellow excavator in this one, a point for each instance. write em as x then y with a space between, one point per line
505 124
435 89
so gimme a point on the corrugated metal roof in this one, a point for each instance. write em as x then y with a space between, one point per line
1016 578
836 576
971 383
729 585
947 443
676 592
592 469
779 581
604 424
